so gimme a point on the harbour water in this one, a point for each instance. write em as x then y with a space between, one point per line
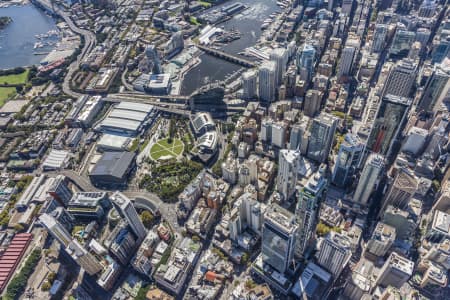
18 39
248 23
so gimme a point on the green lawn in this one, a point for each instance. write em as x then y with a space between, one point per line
5 93
205 4
15 78
164 148
193 20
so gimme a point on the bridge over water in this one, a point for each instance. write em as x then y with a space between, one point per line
228 57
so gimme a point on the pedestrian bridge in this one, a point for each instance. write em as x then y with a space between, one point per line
229 57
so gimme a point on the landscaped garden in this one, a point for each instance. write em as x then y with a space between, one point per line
166 148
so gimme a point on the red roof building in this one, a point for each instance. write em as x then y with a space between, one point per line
12 256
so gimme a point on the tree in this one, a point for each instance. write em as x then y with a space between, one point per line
51 277
436 185
19 89
244 258
18 227
147 219
46 286
322 229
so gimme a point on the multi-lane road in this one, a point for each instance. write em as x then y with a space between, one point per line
89 43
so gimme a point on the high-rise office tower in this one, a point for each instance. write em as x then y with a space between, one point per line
306 209
278 238
401 43
382 239
347 160
436 88
83 258
175 44
395 271
347 57
346 7
249 85
280 57
390 120
441 49
369 178
335 252
63 217
403 188
279 134
126 209
306 59
379 37
152 54
56 229
322 135
360 283
312 102
287 172
427 9
297 138
266 86
60 190
401 78
423 36
266 130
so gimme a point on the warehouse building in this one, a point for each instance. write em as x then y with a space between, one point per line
128 119
109 142
112 169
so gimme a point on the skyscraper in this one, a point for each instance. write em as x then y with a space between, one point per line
401 43
347 160
402 189
175 44
389 122
382 239
267 82
322 135
126 209
436 88
152 54
56 229
306 58
334 253
83 258
60 190
395 271
313 100
280 57
423 36
427 9
379 37
368 179
249 85
441 49
278 238
346 7
287 172
401 78
306 209
347 56
297 138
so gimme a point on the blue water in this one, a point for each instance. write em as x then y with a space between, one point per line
249 24
18 38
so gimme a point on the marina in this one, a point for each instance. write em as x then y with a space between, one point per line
248 23
31 31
